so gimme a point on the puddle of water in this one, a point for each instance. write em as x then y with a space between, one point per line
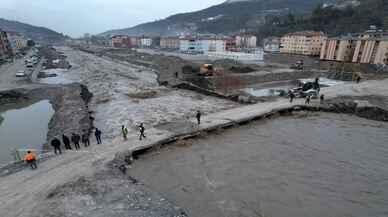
24 128
326 82
317 165
59 79
264 92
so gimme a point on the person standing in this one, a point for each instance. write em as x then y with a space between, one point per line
30 158
142 130
57 145
85 138
292 96
308 99
75 139
322 98
97 134
198 116
66 142
124 132
358 79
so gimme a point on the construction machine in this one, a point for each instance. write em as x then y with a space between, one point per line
207 70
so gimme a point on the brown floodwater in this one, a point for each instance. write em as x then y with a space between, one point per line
305 165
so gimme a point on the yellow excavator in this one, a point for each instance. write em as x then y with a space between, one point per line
207 70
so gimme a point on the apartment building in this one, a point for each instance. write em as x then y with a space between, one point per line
17 41
121 41
371 50
145 42
5 46
213 44
303 43
202 44
370 47
246 41
169 43
338 49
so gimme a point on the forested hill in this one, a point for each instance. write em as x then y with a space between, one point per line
331 19
229 17
39 34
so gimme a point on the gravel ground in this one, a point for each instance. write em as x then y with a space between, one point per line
122 94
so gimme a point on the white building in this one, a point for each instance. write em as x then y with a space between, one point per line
202 45
190 45
246 41
272 45
213 45
251 58
145 42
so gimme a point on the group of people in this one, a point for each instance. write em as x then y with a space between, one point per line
124 130
307 99
74 139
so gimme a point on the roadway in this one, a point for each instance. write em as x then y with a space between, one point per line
8 79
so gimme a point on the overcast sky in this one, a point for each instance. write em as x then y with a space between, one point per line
76 17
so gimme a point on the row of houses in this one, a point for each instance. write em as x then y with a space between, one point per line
188 44
125 41
369 47
11 43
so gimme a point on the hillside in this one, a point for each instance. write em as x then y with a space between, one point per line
229 17
39 34
331 19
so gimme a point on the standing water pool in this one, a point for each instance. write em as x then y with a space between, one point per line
24 128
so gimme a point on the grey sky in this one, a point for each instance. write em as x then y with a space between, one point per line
75 17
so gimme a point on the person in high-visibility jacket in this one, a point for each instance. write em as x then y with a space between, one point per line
30 158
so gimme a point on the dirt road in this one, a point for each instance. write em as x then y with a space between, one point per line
8 71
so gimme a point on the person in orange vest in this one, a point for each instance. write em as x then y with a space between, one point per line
31 159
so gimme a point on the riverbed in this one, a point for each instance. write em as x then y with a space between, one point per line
24 127
311 164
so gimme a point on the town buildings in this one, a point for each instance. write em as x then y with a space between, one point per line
5 46
272 45
370 47
303 43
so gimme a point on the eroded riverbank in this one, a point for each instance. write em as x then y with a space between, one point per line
314 164
71 114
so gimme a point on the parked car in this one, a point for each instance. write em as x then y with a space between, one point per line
20 74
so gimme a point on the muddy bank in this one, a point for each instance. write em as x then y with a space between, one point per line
69 102
106 193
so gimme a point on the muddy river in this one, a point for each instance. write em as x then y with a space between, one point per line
23 127
303 165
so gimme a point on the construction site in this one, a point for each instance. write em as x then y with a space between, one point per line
254 153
